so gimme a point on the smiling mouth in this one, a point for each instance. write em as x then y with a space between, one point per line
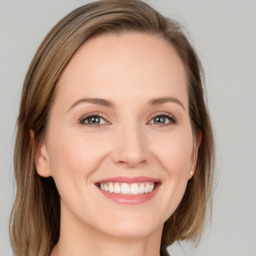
122 188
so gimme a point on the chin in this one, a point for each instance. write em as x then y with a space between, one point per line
132 228
132 232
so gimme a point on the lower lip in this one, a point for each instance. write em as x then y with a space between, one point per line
130 199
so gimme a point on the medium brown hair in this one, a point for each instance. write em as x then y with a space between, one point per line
35 218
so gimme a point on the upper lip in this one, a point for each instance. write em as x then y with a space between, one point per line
128 180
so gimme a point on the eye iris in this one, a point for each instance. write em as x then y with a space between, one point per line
93 120
160 119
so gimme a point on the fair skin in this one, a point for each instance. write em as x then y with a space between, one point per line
132 139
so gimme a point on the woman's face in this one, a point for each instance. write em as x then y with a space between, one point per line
120 122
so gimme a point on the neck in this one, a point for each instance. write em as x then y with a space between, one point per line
79 239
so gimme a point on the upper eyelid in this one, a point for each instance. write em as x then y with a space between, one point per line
162 113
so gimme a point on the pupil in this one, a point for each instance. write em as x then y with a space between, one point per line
93 120
160 119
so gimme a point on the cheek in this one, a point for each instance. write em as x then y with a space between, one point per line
74 156
72 152
174 152
70 160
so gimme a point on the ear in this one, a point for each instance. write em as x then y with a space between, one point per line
194 155
41 158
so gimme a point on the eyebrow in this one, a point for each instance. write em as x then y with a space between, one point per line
106 103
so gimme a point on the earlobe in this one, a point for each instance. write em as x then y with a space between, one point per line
41 158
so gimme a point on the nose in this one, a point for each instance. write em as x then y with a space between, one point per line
130 147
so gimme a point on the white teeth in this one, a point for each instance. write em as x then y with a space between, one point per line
147 188
134 189
106 187
110 188
117 188
142 189
127 189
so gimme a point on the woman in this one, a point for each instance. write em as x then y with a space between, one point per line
114 147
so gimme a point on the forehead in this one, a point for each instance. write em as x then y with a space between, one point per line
122 66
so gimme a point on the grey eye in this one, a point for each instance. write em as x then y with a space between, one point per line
92 120
164 119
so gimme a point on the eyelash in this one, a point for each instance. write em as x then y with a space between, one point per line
170 117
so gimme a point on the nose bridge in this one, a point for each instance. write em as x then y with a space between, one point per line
130 146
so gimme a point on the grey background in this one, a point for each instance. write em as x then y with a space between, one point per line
224 33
